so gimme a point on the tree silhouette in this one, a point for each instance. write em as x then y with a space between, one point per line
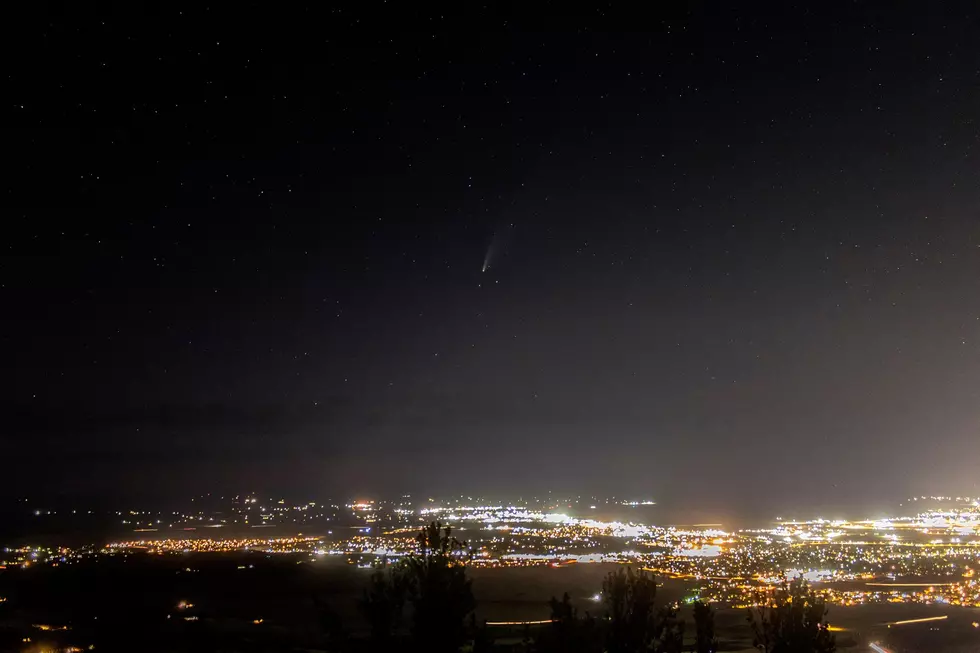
564 623
704 628
792 620
331 625
482 639
634 621
438 590
671 629
382 603
568 632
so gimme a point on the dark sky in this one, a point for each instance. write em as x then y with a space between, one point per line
733 254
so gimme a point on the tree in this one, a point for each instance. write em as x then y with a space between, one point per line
568 633
438 590
792 620
634 624
564 622
383 602
671 629
704 628
331 626
482 638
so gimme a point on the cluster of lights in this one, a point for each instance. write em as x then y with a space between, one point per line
851 562
299 544
26 556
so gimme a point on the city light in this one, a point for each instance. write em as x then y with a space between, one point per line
927 558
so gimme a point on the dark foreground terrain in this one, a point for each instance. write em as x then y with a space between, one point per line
253 602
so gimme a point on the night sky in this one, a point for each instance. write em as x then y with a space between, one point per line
709 255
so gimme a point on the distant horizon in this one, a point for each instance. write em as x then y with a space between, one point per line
663 513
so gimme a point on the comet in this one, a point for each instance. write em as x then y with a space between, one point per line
486 259
498 242
489 257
